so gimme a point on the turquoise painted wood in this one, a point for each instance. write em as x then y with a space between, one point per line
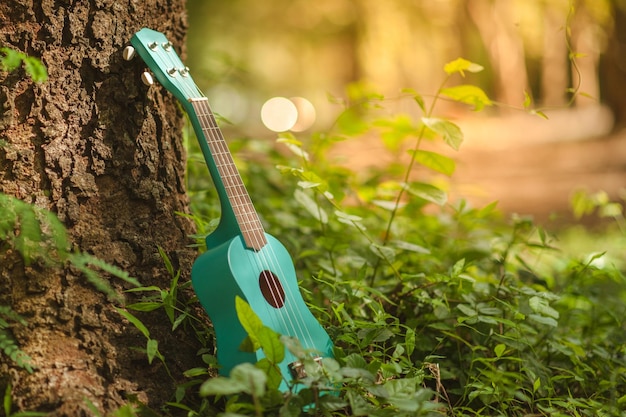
231 269
241 260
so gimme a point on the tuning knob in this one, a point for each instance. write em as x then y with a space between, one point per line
147 78
128 53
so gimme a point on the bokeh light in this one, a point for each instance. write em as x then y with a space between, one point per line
279 114
306 114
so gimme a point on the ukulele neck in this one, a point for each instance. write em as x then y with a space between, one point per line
234 198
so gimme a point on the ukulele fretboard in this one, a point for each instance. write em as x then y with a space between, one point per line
239 199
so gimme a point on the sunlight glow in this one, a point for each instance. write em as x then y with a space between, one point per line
306 114
279 114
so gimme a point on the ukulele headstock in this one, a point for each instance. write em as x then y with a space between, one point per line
159 55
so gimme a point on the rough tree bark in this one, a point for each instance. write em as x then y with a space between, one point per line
103 152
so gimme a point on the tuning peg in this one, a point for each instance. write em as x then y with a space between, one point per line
147 78
128 53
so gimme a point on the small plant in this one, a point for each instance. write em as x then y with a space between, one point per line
10 60
39 237
8 344
585 203
8 405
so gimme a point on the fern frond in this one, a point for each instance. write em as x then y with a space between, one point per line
9 347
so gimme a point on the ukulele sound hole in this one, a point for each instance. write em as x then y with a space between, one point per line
272 289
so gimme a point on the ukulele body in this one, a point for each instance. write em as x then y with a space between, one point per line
230 270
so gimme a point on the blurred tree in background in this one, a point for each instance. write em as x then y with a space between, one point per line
287 47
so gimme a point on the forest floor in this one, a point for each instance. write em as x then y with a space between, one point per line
530 165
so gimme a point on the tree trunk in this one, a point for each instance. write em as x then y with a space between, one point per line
613 67
104 153
495 21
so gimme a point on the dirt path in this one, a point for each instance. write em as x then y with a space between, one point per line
528 164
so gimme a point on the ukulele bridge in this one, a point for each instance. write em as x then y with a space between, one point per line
297 368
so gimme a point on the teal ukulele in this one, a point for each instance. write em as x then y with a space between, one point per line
241 260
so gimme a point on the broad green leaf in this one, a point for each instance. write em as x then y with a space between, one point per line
11 59
36 69
450 132
549 321
354 360
195 372
537 384
467 310
28 240
527 99
412 247
293 145
7 400
387 205
251 323
166 260
409 341
311 206
331 403
288 137
144 306
417 97
396 130
540 114
135 321
490 311
247 345
581 204
179 320
249 376
349 219
291 408
541 306
468 94
383 252
428 192
611 210
270 342
358 405
435 161
351 123
461 65
499 349
311 180
274 376
152 349
221 386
